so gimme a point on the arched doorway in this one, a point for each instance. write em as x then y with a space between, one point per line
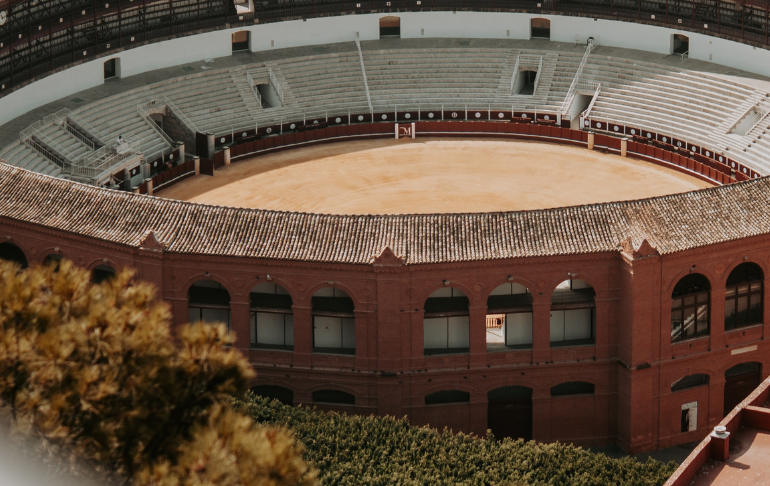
740 381
12 253
509 413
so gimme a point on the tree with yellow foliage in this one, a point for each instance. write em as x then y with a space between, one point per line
91 373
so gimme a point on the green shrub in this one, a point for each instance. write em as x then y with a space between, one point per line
354 450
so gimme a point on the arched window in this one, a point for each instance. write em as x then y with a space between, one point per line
572 388
743 296
509 317
334 396
446 322
209 302
272 323
573 314
690 307
690 381
334 324
273 392
12 253
444 397
101 273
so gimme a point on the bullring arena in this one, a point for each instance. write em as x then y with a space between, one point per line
572 247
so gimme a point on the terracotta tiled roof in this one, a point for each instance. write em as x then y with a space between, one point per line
670 224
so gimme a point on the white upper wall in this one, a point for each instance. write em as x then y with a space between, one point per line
328 30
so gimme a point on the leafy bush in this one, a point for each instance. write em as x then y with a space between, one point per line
354 450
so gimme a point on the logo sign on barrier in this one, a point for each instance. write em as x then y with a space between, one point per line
405 130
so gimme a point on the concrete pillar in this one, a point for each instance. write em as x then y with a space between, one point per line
227 155
590 140
396 131
126 179
197 162
180 147
623 147
146 171
211 146
150 189
414 132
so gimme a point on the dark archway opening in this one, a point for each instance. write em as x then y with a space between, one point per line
509 413
274 392
102 273
12 253
680 44
241 41
740 381
390 26
541 29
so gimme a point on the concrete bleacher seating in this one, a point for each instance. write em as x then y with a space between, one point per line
700 107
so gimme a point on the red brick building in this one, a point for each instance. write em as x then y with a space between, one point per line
619 324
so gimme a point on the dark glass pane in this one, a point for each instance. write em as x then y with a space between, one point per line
676 325
730 314
756 309
745 272
688 322
690 381
703 320
691 284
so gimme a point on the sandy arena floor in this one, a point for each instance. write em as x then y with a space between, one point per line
431 176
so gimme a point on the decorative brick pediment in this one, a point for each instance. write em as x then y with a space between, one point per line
643 249
387 258
150 242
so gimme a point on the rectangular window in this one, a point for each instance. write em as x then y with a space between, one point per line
518 329
572 327
209 315
334 334
269 329
446 334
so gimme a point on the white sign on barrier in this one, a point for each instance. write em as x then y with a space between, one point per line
407 131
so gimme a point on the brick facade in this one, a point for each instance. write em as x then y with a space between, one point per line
632 364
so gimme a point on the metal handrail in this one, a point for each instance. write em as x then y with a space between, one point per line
587 111
539 71
82 138
252 85
179 114
363 71
87 127
141 111
576 79
275 84
515 73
